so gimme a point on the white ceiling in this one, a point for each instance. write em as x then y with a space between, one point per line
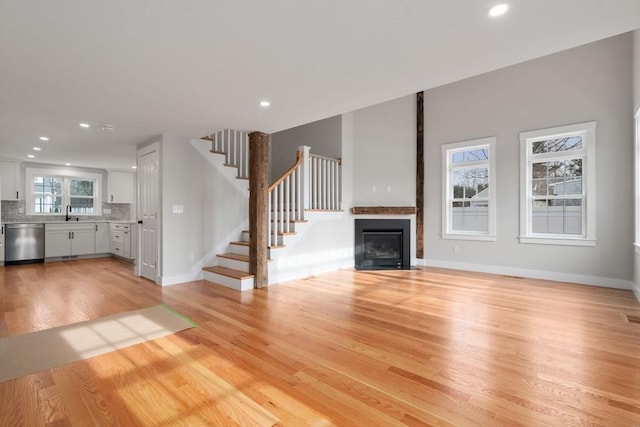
192 67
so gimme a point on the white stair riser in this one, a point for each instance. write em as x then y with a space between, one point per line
229 282
233 263
239 249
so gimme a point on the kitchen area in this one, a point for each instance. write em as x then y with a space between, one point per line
51 213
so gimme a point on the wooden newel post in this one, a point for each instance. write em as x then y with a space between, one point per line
258 198
420 175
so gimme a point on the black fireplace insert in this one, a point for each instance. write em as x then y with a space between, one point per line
382 244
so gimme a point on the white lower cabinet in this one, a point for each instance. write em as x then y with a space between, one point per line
67 239
121 240
103 238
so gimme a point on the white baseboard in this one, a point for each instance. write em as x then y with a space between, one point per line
195 274
284 276
533 274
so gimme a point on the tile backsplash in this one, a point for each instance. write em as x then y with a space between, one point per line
11 213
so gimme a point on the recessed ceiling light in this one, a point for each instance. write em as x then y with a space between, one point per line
44 138
37 148
67 164
498 10
265 103
84 125
134 167
31 156
107 127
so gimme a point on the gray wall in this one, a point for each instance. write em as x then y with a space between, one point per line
322 136
181 172
591 82
384 154
636 70
214 211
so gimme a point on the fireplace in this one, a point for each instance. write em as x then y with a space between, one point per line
382 244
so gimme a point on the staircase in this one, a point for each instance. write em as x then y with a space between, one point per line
311 184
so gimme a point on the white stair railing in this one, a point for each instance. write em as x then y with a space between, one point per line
312 183
325 180
234 144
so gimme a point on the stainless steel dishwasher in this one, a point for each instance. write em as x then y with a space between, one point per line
24 243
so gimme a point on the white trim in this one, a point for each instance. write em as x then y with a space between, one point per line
557 241
284 276
65 174
637 176
446 149
581 279
588 152
478 237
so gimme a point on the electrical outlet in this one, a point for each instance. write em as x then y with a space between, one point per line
374 188
456 249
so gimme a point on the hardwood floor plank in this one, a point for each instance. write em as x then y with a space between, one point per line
416 347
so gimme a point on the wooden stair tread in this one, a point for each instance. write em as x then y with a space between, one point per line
229 272
218 152
241 243
237 257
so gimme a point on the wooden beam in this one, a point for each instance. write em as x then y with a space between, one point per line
258 195
420 175
383 210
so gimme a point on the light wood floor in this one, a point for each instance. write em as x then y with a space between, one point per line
430 347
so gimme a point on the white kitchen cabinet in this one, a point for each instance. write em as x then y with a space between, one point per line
120 187
9 180
121 240
68 239
103 238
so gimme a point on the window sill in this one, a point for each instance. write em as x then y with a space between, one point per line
479 237
558 241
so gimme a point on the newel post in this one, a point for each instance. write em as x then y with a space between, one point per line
258 217
305 176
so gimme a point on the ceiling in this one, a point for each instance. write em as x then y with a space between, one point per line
192 67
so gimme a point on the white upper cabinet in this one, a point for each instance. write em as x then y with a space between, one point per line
10 183
120 187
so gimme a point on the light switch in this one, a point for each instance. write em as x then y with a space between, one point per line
177 208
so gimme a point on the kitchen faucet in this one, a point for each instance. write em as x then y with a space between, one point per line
67 210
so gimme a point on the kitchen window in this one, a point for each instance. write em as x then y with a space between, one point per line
50 192
558 185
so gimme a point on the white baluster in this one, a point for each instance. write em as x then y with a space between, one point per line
286 204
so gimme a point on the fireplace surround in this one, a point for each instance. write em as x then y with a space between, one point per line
382 244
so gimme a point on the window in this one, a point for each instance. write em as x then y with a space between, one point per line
49 192
469 193
637 172
558 185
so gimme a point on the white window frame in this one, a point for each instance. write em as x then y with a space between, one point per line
637 179
447 169
588 154
67 176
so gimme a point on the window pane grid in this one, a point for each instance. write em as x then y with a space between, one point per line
50 195
557 164
467 192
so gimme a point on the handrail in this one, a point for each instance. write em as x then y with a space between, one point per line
288 172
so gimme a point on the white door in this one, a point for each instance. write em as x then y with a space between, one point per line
149 206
